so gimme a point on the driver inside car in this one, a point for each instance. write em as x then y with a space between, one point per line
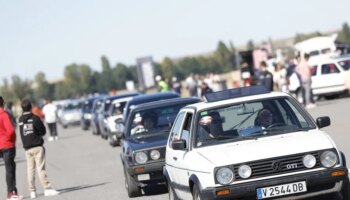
264 118
148 122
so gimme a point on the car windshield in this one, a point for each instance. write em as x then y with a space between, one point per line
250 120
153 121
345 64
72 106
87 106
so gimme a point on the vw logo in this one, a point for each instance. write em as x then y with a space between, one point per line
276 166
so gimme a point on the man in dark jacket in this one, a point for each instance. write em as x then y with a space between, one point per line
265 77
32 131
8 151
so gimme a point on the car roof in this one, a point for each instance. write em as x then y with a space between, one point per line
207 105
152 97
166 102
121 96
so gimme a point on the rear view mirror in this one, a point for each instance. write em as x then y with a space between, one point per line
179 144
323 122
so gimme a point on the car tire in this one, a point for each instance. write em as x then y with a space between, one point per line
131 186
196 193
65 126
112 141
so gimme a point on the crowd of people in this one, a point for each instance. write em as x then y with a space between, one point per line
32 131
278 77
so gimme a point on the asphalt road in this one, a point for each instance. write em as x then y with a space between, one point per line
83 166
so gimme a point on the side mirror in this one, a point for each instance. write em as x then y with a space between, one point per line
119 125
179 144
323 122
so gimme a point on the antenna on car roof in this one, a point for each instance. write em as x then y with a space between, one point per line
235 93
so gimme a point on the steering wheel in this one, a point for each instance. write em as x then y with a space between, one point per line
276 124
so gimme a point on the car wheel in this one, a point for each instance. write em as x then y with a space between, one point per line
131 186
113 142
65 126
171 192
345 189
195 193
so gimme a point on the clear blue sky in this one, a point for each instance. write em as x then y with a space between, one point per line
46 35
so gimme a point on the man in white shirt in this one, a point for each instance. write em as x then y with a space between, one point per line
49 111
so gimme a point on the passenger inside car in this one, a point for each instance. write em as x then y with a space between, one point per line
148 122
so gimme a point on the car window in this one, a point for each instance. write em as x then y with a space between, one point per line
313 70
151 121
254 118
314 53
345 64
175 133
185 133
329 69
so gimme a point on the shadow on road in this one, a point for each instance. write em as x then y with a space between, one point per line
81 187
155 190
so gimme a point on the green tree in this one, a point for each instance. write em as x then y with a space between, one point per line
250 45
43 88
21 89
105 79
6 91
224 57
167 67
344 34
85 78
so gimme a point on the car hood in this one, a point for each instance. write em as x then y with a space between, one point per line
266 147
148 142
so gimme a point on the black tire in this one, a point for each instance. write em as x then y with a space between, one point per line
196 195
345 190
131 186
113 142
65 126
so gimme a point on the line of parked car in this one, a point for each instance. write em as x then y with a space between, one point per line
243 143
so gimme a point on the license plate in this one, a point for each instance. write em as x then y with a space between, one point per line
281 190
143 177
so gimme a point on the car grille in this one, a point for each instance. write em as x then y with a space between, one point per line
278 165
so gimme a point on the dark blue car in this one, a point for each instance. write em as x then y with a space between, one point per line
145 136
137 100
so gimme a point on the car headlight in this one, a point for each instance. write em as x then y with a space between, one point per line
225 176
309 161
141 157
244 171
329 159
155 154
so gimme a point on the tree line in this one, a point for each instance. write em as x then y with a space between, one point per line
80 79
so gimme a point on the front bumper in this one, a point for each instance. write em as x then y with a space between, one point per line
154 170
320 182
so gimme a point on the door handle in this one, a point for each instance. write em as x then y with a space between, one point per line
175 158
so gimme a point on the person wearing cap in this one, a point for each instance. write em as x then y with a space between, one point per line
162 85
8 151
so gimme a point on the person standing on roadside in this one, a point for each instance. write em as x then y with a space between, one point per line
49 111
32 131
303 70
265 77
8 151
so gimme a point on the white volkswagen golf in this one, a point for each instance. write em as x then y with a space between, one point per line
247 143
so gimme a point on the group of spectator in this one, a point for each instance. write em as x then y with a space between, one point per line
277 77
32 130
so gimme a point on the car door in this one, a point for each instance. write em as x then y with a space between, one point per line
178 158
328 79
